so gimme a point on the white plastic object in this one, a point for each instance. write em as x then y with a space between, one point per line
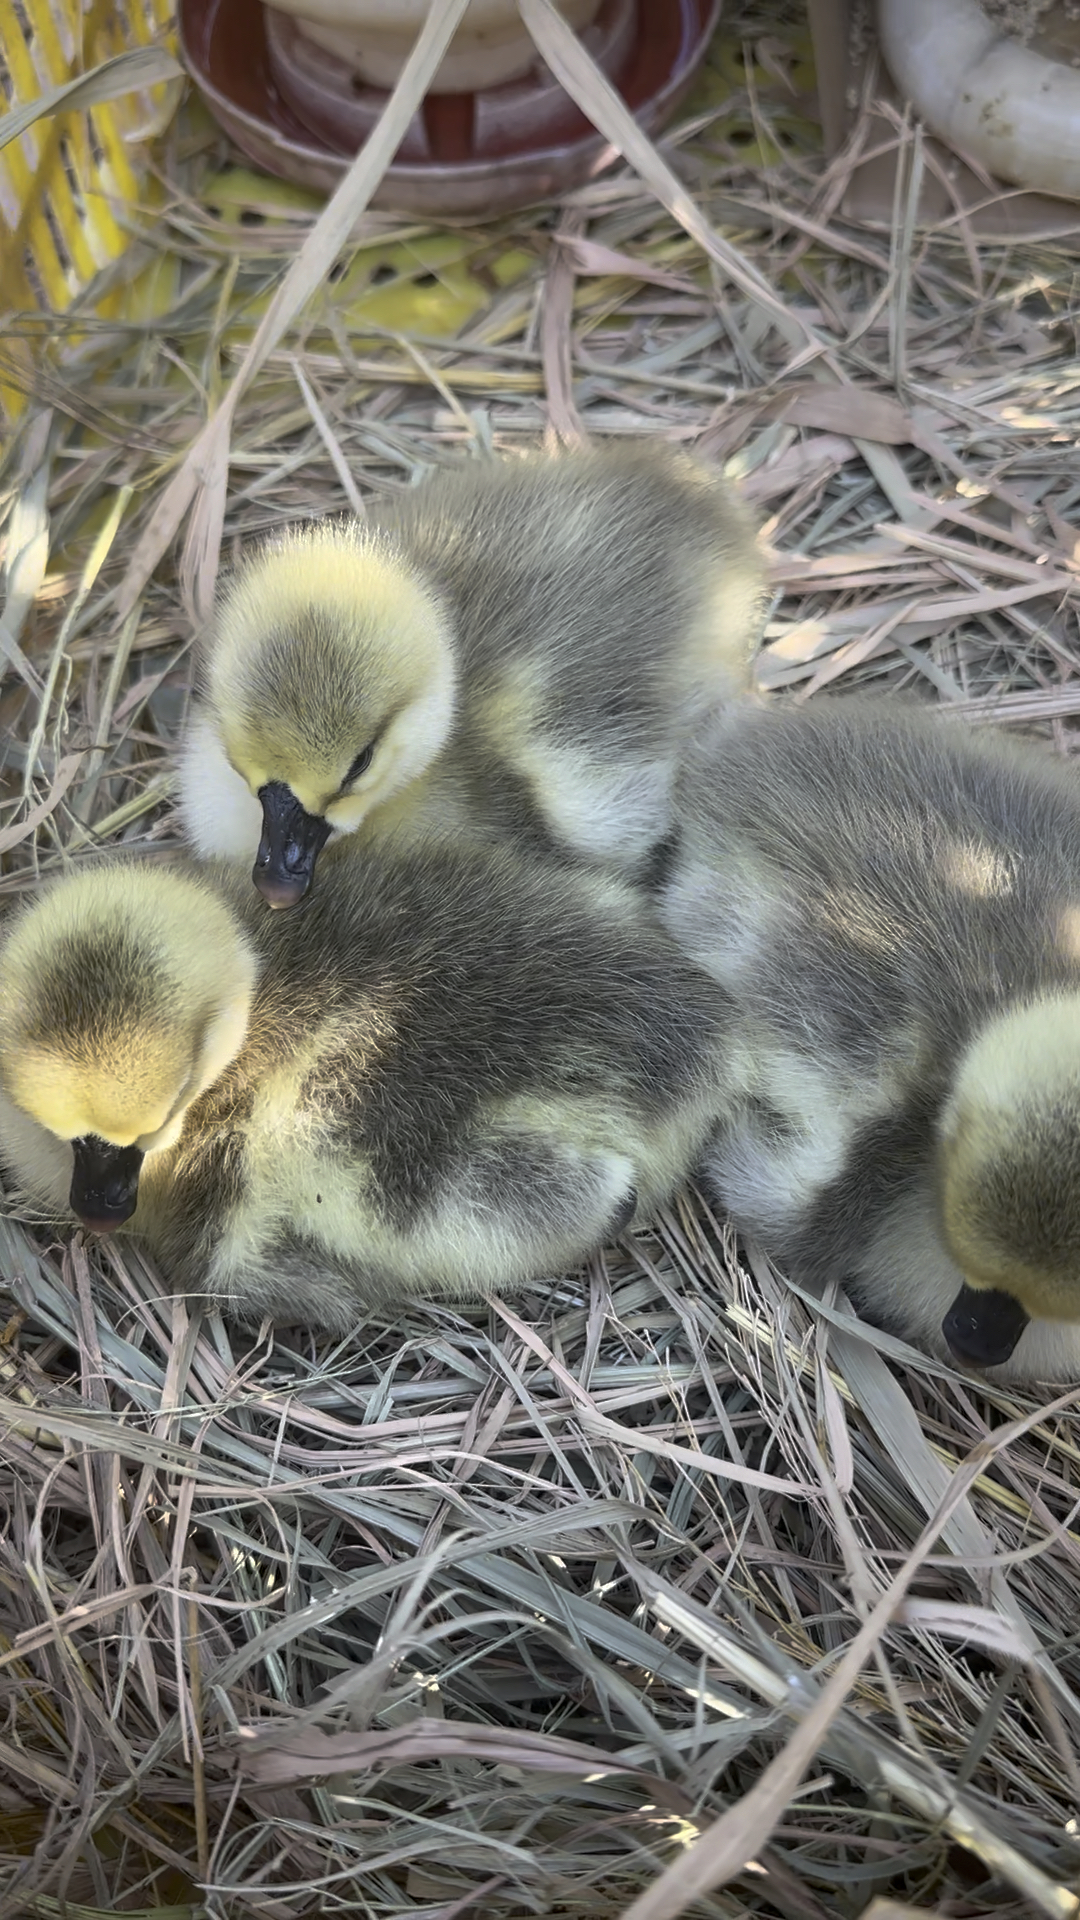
375 37
984 93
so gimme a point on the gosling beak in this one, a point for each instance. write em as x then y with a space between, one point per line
104 1183
983 1326
291 838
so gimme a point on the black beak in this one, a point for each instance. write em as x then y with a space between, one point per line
104 1183
982 1327
285 863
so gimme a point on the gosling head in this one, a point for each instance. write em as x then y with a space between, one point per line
1010 1179
332 681
124 993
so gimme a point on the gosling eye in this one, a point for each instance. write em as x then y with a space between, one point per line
360 765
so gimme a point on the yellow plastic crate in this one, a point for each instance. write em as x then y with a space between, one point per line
63 180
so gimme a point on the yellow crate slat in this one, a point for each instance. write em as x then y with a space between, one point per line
147 22
74 234
124 179
64 184
46 260
52 59
17 55
17 171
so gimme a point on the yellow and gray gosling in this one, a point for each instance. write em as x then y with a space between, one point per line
452 1072
515 648
894 906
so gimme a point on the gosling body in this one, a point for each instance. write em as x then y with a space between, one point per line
514 648
893 904
446 1075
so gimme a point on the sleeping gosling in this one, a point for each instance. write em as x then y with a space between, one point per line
894 906
514 648
453 1072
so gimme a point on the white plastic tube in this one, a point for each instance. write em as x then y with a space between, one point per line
980 90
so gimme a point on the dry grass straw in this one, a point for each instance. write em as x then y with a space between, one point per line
499 1612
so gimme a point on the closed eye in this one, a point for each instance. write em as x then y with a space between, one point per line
360 765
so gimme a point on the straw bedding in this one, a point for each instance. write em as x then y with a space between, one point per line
659 1569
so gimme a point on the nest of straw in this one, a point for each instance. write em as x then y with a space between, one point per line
660 1589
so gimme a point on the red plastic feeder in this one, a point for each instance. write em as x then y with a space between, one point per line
302 111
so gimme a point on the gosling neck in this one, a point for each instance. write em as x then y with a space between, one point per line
1029 1055
428 722
1009 1152
225 1034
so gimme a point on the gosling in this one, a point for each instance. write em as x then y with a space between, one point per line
516 648
453 1072
893 905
